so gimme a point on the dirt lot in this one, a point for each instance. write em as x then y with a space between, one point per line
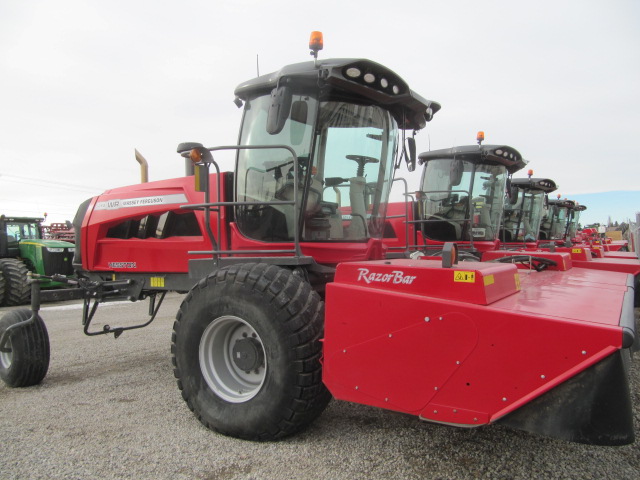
111 409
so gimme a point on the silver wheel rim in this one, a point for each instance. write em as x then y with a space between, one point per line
6 358
218 366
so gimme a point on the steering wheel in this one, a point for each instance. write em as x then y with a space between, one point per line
538 263
362 160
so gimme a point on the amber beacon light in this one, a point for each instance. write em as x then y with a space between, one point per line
316 43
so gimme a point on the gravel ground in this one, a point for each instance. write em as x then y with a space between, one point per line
111 409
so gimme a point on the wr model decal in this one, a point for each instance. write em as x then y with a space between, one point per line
116 204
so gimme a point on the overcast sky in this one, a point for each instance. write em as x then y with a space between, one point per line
85 82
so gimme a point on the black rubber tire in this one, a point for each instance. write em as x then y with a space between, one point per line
287 316
17 290
2 287
27 361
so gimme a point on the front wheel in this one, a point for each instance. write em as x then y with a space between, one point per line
246 352
25 359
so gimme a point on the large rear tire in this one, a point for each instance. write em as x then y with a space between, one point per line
25 359
17 290
246 352
2 286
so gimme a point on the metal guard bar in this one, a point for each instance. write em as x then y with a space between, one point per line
216 252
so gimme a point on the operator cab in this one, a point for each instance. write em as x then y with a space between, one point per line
15 229
524 209
462 191
557 222
341 118
345 155
573 221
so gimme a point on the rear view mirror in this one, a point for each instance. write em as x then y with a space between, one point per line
410 153
299 114
456 172
513 195
279 109
512 192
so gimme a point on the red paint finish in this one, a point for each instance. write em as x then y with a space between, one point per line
136 255
623 255
449 358
326 253
101 253
563 260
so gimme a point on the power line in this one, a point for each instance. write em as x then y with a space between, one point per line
42 182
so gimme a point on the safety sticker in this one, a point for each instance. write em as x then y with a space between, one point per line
489 280
576 250
464 276
517 277
157 282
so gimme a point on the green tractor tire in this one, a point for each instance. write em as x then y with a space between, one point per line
16 285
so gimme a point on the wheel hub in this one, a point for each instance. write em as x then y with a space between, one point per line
248 354
6 355
232 359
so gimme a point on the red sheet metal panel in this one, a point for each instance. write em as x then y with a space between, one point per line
411 348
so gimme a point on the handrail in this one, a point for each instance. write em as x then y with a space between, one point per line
206 206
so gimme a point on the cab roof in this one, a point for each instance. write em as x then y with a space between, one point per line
349 79
480 154
545 185
570 204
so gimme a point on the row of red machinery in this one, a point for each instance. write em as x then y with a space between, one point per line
304 283
468 195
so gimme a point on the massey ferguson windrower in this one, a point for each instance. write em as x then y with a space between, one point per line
257 351
560 223
461 199
558 233
523 211
595 236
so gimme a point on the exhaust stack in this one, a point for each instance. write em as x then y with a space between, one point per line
144 167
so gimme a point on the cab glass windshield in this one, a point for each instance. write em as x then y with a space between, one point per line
521 221
345 158
461 200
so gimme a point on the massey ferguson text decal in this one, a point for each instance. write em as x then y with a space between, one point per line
115 204
396 277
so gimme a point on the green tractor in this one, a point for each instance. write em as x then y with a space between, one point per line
22 249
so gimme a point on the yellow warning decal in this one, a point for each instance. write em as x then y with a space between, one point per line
157 282
517 277
576 250
489 280
464 276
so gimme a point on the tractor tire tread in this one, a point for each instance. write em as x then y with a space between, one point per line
17 290
291 296
31 350
2 288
